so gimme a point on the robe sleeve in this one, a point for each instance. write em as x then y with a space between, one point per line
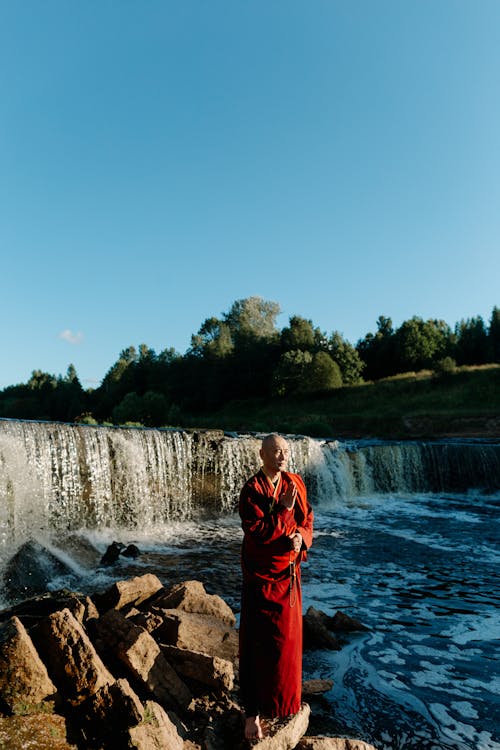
305 522
261 526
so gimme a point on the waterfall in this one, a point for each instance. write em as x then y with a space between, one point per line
58 477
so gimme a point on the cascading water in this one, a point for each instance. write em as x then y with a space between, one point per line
406 540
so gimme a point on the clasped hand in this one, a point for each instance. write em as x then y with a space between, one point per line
296 541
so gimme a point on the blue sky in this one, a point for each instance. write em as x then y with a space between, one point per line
159 160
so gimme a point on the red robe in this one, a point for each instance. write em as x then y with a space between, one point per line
271 603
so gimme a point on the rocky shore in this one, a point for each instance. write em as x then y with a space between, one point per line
140 666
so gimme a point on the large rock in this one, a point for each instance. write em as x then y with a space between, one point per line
107 715
142 656
332 743
32 610
212 671
316 632
30 571
342 623
191 596
72 660
132 591
284 734
155 732
197 633
24 681
316 687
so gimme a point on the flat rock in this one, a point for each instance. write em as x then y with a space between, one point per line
332 743
211 671
132 591
190 596
316 687
155 732
24 681
284 734
31 610
196 632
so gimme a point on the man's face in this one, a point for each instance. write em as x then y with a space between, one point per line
274 454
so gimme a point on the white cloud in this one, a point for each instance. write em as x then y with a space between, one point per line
70 337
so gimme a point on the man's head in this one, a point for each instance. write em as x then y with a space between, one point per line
274 454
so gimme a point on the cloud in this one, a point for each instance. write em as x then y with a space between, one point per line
70 337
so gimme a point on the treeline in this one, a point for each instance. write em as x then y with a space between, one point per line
244 355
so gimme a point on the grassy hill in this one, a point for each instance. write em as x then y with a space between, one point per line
464 403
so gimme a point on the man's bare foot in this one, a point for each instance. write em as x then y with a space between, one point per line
253 729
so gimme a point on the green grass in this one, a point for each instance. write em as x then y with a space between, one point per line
463 402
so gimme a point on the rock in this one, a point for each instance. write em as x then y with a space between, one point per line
197 633
72 661
332 743
191 596
112 553
316 633
342 623
109 713
80 549
132 591
284 734
30 571
212 671
24 681
37 731
132 550
140 653
316 687
32 610
155 732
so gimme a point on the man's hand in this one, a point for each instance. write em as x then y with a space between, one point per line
296 541
288 498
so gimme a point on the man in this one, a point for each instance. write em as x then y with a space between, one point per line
277 522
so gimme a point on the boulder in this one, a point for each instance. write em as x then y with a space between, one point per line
342 623
284 734
37 731
332 743
132 591
155 732
24 681
191 596
32 610
316 632
197 633
73 663
142 656
316 687
30 571
109 713
112 553
211 671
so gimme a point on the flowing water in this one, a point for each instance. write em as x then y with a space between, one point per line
406 540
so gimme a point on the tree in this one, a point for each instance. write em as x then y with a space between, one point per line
472 343
377 350
322 374
347 358
289 372
252 319
213 340
494 335
419 344
298 335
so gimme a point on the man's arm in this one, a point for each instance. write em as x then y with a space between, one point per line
262 526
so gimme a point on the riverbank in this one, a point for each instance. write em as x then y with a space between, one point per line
465 403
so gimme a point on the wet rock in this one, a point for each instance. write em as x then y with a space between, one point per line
30 571
132 591
156 731
190 596
284 734
332 743
142 656
24 681
316 687
80 549
197 633
342 623
72 661
132 550
112 553
316 632
211 671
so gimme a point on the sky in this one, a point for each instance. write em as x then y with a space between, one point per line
160 160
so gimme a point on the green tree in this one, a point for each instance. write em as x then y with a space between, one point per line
494 335
299 334
347 358
321 374
472 344
419 344
252 319
213 340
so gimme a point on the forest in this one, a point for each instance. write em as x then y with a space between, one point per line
242 356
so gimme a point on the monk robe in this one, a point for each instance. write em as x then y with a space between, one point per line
271 603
